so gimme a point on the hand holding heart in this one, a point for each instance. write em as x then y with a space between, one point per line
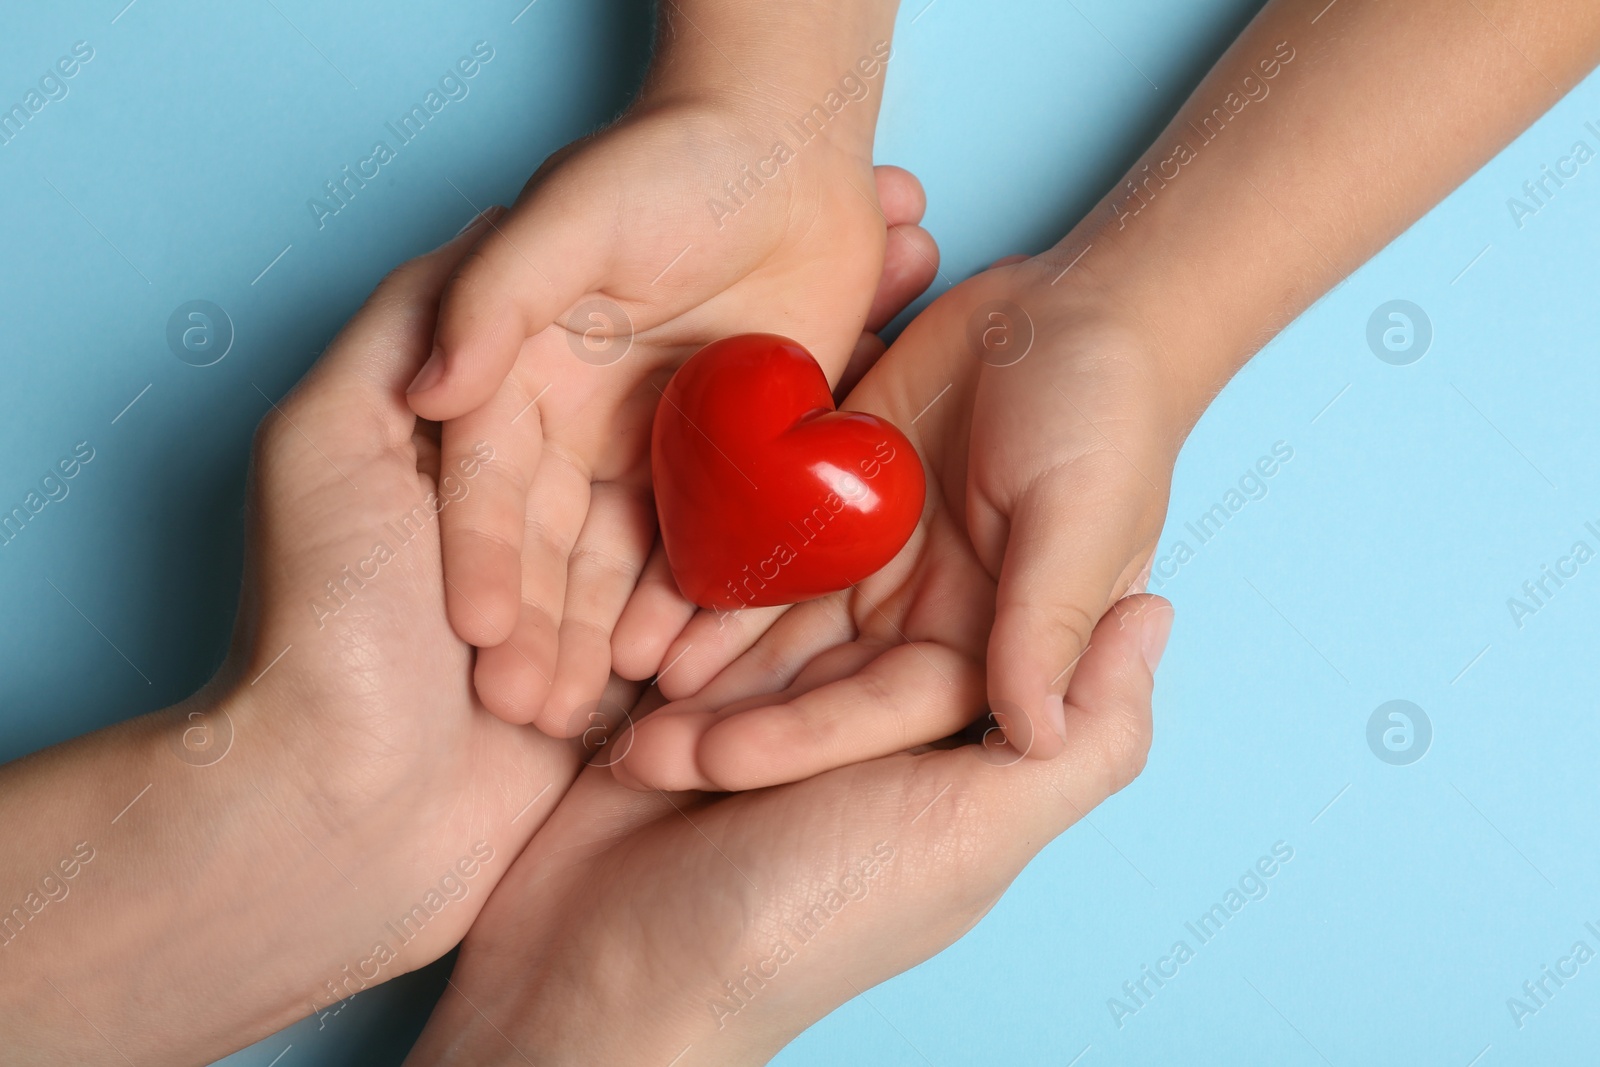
556 336
714 888
1048 474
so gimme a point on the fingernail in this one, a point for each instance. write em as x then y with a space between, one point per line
1153 641
1055 713
429 375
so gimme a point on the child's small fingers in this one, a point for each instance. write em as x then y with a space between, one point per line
513 678
655 614
910 263
662 752
900 195
911 695
659 752
557 507
515 682
601 573
528 269
787 655
711 641
482 532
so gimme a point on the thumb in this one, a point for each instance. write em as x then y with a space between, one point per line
376 353
1073 548
1107 707
526 271
1107 725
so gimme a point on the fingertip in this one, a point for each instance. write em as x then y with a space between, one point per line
910 264
900 194
683 673
664 752
916 245
1149 618
555 719
625 776
751 749
487 617
510 685
480 330
430 373
1156 633
653 617
1025 695
1039 733
577 700
632 659
643 635
1109 702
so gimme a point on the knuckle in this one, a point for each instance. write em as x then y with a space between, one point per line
399 284
590 563
477 292
503 485
768 663
876 692
545 538
598 633
482 538
1068 626
468 280
819 732
1127 752
275 432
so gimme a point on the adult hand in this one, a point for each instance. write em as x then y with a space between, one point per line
696 930
373 692
333 808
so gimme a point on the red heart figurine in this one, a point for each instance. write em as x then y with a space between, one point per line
766 493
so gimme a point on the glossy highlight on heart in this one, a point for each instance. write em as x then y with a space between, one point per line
766 493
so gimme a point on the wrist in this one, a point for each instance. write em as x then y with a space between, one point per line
1192 340
558 1013
742 61
293 874
173 846
1094 305
198 849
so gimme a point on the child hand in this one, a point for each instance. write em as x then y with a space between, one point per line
625 254
1048 428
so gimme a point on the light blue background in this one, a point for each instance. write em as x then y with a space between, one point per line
1377 567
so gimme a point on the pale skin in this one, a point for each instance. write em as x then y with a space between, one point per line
1049 476
678 225
364 767
360 766
1059 479
198 878
619 933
